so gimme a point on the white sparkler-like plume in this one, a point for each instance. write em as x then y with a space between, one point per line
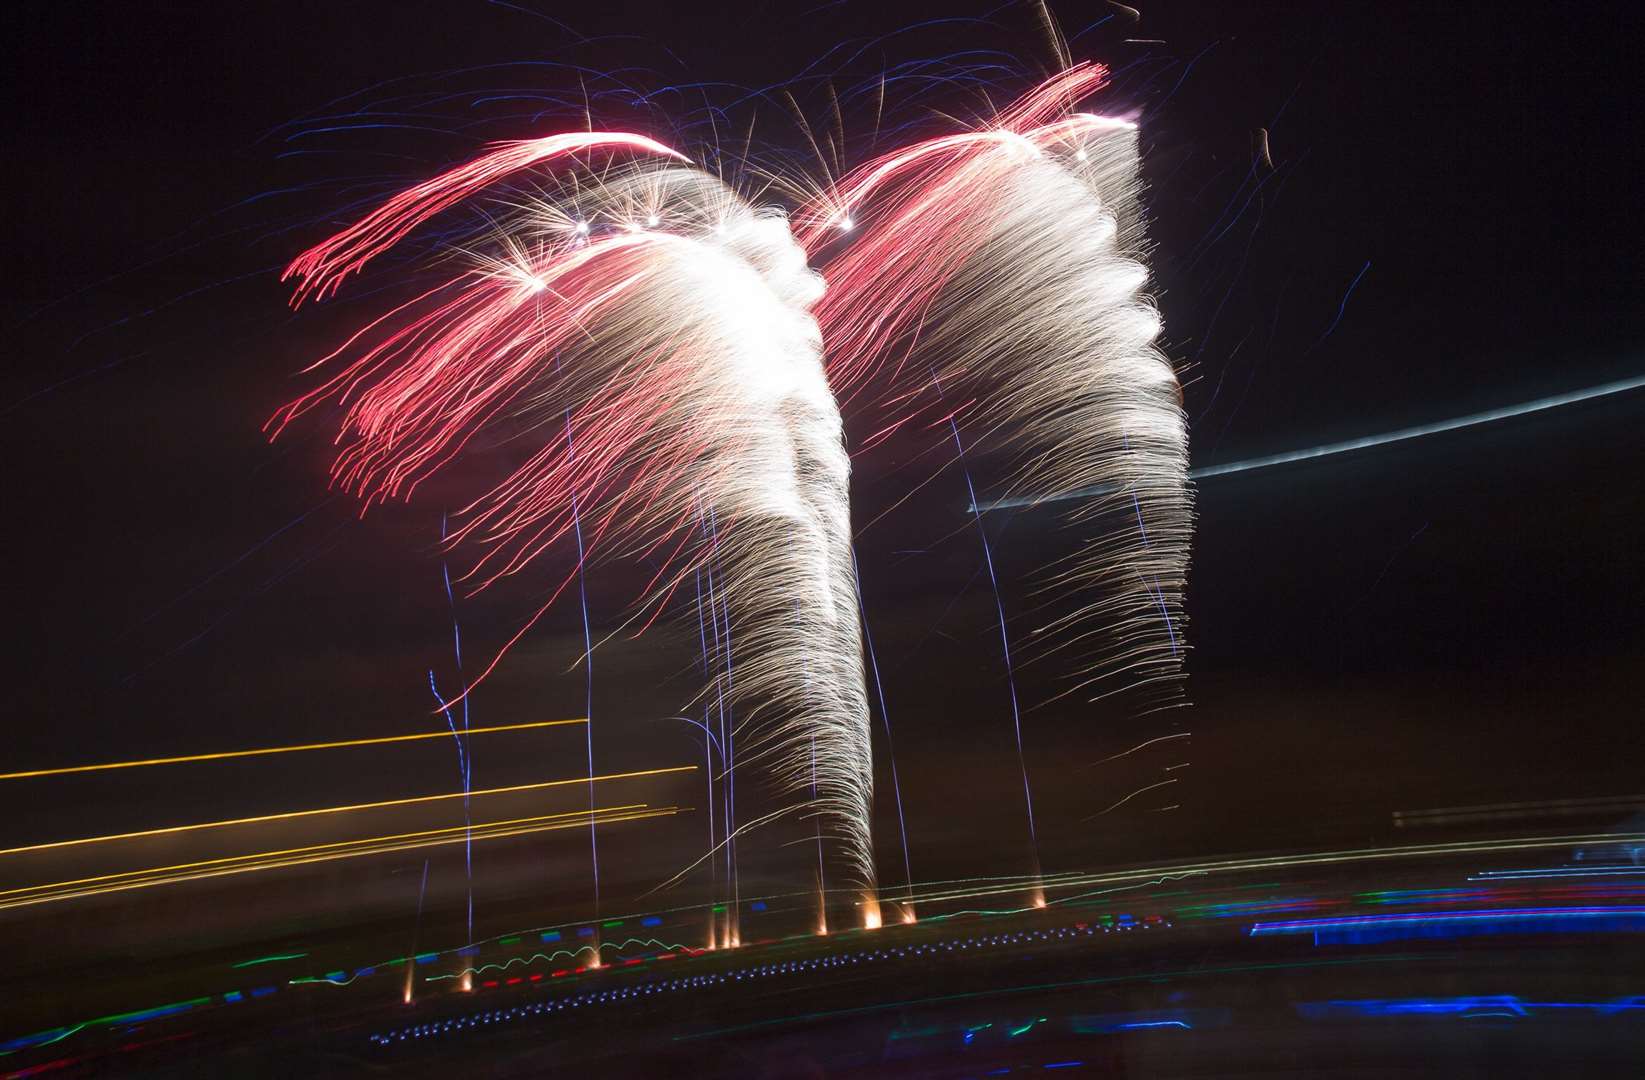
649 332
1000 272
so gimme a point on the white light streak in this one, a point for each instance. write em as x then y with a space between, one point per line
1367 442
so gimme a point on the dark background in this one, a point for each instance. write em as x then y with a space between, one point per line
1450 223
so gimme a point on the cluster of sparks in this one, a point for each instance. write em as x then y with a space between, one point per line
675 365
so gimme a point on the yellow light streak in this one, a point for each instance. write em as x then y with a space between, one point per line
339 844
290 814
1173 871
166 875
225 754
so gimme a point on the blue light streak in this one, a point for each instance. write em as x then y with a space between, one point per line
1448 924
1005 643
1509 1005
1367 442
465 764
588 668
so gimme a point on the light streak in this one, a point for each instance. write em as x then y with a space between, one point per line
302 856
569 954
890 753
465 759
224 755
822 879
1063 883
709 744
1343 307
719 666
417 929
588 669
1367 442
1376 928
291 814
271 959
1139 746
1561 872
1455 815
463 773
339 844
44 1038
1499 1004
1038 893
322 268
1131 796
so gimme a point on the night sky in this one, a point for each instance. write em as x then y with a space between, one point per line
1450 223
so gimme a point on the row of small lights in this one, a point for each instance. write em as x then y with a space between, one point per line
822 963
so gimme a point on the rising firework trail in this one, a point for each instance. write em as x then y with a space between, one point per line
465 762
890 750
655 319
588 688
1038 896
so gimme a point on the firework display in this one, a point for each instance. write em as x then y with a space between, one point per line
607 540
647 333
651 331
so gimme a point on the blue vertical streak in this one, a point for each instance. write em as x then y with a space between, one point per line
719 712
465 763
1005 642
722 618
885 721
588 668
468 821
708 761
1342 308
719 709
1153 582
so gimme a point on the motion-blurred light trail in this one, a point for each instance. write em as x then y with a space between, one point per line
225 754
290 814
301 856
983 887
1489 416
277 957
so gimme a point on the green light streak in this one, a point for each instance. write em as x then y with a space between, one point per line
271 959
62 1033
118 1017
570 954
336 978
